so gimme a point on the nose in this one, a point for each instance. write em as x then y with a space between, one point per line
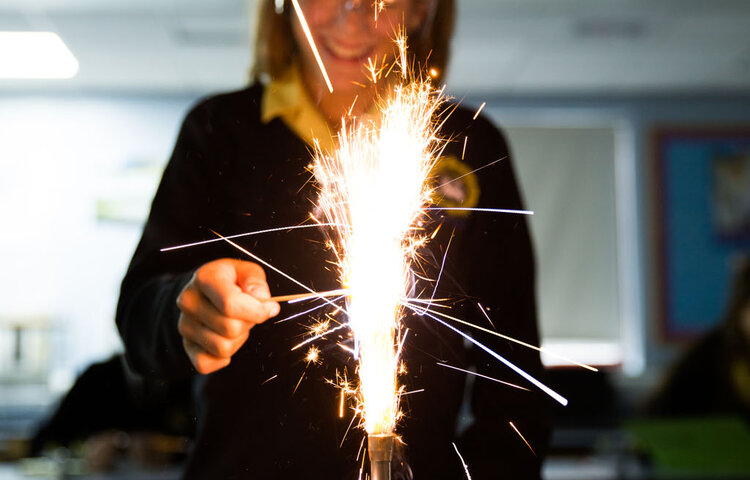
353 16
350 5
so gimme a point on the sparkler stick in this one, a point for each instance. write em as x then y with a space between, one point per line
380 448
266 264
298 297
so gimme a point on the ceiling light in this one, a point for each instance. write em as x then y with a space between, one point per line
37 55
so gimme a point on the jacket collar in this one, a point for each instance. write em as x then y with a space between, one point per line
285 97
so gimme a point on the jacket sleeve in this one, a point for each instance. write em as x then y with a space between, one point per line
186 203
500 274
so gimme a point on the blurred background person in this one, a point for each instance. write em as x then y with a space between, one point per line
713 376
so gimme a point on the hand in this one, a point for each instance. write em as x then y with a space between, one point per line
218 307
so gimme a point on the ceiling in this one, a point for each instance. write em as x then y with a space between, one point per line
501 46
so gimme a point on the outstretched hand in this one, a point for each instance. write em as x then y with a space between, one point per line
218 307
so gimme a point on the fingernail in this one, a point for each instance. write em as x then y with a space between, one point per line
273 309
260 292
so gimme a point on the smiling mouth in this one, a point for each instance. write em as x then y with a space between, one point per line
346 53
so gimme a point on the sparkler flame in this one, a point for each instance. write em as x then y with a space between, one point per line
375 194
376 184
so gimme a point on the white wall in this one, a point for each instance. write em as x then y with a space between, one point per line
568 180
566 168
61 264
634 118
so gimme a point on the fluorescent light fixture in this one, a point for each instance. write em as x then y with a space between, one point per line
591 352
35 55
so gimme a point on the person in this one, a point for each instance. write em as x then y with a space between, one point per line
108 415
239 165
713 376
103 399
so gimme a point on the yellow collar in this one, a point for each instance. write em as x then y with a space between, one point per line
285 97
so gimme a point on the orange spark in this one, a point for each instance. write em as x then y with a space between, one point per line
313 355
319 327
522 438
298 382
481 107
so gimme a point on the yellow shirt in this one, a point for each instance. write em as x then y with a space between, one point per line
285 97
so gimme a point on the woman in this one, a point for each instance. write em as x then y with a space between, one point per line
238 166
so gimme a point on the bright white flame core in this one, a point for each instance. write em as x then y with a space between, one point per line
375 183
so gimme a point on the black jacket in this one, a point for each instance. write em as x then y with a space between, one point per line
231 173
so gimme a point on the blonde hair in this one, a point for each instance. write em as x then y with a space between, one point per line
276 49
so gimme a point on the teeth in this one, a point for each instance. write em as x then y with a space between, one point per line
347 53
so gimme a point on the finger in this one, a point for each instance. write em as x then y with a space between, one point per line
214 344
262 293
202 361
249 273
252 280
219 284
192 302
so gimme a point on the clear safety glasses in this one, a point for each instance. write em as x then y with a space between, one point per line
324 11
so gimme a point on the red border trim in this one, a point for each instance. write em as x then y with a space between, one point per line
656 140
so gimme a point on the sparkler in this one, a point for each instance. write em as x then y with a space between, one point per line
376 183
299 297
375 196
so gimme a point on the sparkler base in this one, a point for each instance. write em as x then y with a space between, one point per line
380 448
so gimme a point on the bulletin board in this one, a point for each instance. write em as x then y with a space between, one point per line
703 222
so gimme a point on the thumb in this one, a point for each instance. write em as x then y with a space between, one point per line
258 290
262 293
252 280
250 276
